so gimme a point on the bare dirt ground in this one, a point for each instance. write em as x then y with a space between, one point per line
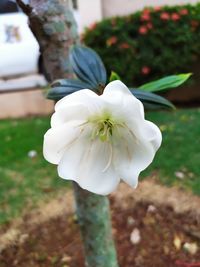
153 226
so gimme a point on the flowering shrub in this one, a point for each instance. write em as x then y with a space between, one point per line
149 44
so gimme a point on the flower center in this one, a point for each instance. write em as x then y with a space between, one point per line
104 125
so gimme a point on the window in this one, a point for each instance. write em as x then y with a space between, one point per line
74 3
7 6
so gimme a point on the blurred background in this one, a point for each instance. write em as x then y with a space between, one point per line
141 40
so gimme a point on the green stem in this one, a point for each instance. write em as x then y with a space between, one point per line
94 218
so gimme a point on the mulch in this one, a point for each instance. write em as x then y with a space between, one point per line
163 234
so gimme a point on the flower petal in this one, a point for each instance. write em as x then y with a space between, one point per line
122 102
153 134
129 170
146 131
74 143
88 163
135 153
85 97
128 108
57 139
68 113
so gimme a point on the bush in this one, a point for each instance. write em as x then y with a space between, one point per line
149 44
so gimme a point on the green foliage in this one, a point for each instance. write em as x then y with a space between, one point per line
61 88
91 74
150 44
114 76
165 83
151 100
89 70
88 66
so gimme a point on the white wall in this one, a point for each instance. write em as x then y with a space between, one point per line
123 7
91 11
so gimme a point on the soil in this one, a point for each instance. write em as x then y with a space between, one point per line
163 232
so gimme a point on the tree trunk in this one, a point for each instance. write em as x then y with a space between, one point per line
55 29
93 213
53 25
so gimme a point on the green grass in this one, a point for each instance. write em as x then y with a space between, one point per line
24 180
180 150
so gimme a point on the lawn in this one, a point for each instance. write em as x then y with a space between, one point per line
25 180
178 160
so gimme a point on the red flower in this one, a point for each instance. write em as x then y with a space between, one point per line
124 46
149 25
145 17
146 11
93 26
165 16
111 41
157 8
143 30
145 70
183 11
175 16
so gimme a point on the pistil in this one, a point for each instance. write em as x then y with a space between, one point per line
104 126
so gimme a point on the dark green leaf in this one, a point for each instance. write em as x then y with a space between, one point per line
88 66
61 88
151 100
71 82
166 83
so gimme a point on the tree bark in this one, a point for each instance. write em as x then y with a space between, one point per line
53 25
55 29
93 213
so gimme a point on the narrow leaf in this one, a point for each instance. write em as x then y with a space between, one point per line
151 100
166 83
61 88
88 66
71 82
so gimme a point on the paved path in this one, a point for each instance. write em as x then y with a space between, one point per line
22 83
23 97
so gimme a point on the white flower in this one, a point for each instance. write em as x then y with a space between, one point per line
98 140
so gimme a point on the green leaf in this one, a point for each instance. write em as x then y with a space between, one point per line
88 66
166 83
114 76
151 100
61 88
71 82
